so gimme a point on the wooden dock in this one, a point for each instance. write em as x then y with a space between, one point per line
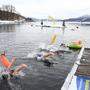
84 66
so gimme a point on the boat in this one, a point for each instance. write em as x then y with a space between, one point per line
79 77
48 26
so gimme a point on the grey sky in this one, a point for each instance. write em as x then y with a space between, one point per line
55 8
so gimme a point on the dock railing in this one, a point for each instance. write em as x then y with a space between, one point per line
73 70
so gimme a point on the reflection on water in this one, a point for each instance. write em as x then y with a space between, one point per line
7 28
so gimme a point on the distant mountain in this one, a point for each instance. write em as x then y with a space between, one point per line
35 19
85 18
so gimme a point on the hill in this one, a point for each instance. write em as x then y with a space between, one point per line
85 18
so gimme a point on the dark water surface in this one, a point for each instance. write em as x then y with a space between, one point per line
19 40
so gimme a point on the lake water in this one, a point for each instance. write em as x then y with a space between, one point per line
19 40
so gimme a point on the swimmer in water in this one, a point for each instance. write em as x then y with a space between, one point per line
9 65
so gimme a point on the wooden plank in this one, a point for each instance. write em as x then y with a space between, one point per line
84 67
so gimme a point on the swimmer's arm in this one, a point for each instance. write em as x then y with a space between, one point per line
12 62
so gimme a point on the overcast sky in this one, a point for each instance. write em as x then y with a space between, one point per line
55 8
